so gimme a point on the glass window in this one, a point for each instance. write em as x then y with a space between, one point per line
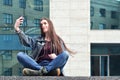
102 12
99 66
7 71
95 66
91 11
8 18
111 49
114 65
38 5
7 55
102 26
104 66
7 2
22 4
9 42
6 28
104 59
37 22
107 12
113 14
7 38
20 71
114 26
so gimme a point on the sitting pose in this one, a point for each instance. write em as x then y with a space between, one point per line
49 53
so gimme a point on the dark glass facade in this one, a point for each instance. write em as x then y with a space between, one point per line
105 14
105 59
9 41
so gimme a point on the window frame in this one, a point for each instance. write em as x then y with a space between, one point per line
114 14
22 4
102 12
37 22
7 2
91 11
8 18
7 71
38 5
7 55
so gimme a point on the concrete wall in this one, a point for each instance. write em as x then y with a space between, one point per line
71 20
104 36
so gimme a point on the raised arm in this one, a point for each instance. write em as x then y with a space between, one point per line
17 23
24 39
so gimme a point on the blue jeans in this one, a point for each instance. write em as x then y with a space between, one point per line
58 62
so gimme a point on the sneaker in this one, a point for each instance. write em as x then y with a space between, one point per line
31 72
55 72
41 72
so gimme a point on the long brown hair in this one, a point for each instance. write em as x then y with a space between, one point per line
55 39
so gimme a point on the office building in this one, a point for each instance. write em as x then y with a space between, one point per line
32 11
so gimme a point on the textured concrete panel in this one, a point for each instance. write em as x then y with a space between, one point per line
71 20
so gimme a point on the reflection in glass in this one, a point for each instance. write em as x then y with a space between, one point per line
104 65
102 26
7 71
32 10
115 65
99 66
95 66
102 12
106 12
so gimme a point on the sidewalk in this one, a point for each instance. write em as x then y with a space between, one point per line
58 78
41 78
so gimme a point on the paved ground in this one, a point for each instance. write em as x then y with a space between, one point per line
56 78
41 78
104 78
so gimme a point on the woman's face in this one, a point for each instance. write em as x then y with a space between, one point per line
44 25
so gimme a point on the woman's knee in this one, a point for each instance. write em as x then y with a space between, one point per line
20 55
65 54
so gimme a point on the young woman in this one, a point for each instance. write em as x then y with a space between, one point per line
49 52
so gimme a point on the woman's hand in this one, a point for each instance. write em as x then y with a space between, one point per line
18 22
52 56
